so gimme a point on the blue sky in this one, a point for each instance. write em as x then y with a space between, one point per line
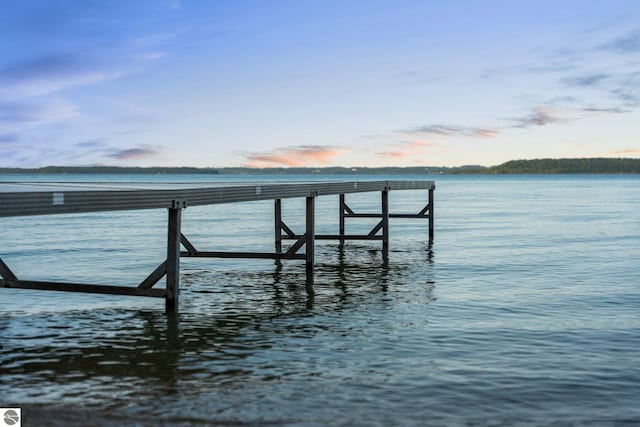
316 83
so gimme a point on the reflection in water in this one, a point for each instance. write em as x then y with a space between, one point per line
235 327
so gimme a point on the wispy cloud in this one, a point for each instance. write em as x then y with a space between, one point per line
137 153
302 155
628 43
540 116
8 137
587 80
30 113
627 151
450 130
604 110
48 74
403 150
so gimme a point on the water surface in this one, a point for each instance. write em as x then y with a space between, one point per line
522 311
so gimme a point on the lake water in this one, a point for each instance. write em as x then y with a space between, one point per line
524 311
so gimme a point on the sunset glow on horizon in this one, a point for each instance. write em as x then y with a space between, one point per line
326 83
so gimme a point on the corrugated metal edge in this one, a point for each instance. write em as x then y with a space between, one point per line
60 202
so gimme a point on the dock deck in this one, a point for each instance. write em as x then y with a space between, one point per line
48 198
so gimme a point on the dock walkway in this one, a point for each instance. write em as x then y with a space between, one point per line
48 198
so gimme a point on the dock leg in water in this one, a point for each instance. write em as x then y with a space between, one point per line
310 236
173 260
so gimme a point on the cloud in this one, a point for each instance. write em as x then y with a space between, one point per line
138 153
402 150
450 130
541 116
604 110
303 155
50 73
8 137
588 80
627 152
31 113
629 43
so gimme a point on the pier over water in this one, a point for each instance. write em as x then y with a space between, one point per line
34 198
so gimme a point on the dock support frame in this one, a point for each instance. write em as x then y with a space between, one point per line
176 240
380 231
306 241
170 268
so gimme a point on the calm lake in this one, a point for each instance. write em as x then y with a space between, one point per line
524 310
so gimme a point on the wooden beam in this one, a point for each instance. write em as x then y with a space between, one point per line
256 255
154 277
83 287
6 272
431 202
310 236
173 260
385 220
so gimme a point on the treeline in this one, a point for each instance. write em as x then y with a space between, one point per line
110 170
599 165
537 166
339 170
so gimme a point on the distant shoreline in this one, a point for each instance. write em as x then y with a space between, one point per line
537 166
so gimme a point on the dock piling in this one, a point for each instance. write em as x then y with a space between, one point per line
172 289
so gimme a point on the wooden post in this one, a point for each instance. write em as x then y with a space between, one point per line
278 224
173 260
310 235
431 201
341 231
385 220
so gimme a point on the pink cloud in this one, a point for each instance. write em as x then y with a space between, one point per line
407 149
629 151
303 155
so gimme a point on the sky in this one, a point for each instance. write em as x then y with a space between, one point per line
272 83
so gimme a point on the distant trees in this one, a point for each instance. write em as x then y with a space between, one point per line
551 166
538 166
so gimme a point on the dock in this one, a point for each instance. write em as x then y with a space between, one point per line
50 198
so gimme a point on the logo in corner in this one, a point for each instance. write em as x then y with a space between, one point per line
11 417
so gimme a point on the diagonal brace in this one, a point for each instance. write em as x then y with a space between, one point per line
154 277
284 227
188 245
6 272
297 245
375 229
424 210
348 210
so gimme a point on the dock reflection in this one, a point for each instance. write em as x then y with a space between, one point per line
229 324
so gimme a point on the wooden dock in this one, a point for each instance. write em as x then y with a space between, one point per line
30 198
